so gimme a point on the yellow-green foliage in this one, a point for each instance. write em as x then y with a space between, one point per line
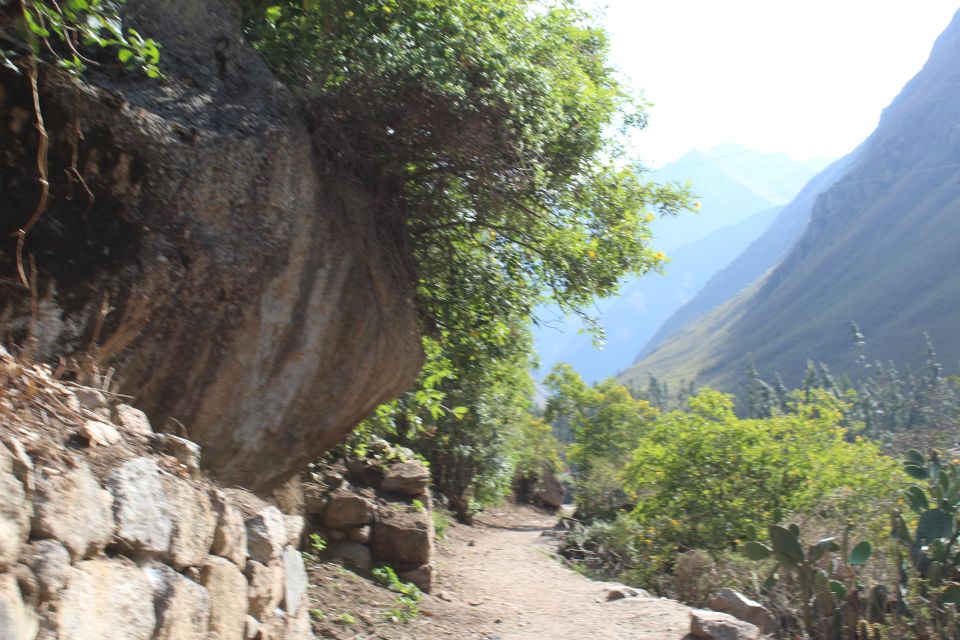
533 447
707 479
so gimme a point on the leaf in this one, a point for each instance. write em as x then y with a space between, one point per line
124 55
860 554
838 589
786 547
934 524
915 457
916 497
756 550
915 471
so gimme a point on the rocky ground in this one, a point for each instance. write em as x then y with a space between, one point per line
498 580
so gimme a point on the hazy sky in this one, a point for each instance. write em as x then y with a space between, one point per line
808 78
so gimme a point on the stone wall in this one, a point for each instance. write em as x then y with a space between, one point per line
374 510
110 530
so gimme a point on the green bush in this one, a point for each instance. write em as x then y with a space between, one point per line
705 479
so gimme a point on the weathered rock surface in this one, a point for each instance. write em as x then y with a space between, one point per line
266 534
743 608
241 268
50 563
182 606
421 576
551 492
17 622
616 591
14 511
228 598
123 542
73 508
406 478
402 536
106 599
194 523
294 526
295 581
266 588
356 555
712 625
141 509
347 509
186 452
100 434
230 536
132 420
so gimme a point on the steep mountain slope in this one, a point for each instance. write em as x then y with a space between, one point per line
762 254
631 318
738 189
881 248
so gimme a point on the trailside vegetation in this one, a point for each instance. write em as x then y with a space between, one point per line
799 502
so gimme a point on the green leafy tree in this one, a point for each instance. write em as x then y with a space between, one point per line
490 134
606 423
705 478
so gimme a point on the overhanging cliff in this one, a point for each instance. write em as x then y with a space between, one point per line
247 289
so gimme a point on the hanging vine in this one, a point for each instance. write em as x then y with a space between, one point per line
72 35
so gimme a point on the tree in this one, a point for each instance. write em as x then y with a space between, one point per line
492 130
705 478
606 423
490 133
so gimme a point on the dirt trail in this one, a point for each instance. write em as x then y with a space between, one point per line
499 581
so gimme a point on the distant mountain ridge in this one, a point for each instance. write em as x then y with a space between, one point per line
759 257
739 190
882 248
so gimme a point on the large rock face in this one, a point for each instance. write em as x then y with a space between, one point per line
258 297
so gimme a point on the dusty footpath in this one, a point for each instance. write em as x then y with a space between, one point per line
499 580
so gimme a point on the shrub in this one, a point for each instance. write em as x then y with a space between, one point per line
704 479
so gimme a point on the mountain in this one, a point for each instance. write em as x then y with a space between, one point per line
881 248
740 191
762 254
732 183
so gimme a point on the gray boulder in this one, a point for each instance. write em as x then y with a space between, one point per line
240 261
347 509
182 606
228 598
712 625
194 523
73 508
141 507
266 534
406 478
17 622
50 563
106 598
403 537
743 608
295 581
230 536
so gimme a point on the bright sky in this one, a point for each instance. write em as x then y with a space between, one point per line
808 78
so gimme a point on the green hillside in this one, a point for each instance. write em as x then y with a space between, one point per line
881 248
